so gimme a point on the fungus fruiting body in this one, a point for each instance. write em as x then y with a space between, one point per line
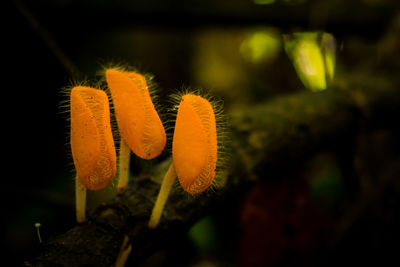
194 147
138 122
92 143
194 151
37 226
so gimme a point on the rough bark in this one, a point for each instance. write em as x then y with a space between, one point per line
265 140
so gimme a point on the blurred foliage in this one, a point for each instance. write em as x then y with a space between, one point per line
313 60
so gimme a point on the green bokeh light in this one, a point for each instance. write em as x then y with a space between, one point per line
204 235
261 46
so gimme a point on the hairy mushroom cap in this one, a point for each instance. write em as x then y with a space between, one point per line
138 121
194 147
92 143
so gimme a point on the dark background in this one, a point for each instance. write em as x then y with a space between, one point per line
49 44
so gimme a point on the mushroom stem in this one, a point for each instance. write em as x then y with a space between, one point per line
80 200
162 197
124 253
124 157
37 225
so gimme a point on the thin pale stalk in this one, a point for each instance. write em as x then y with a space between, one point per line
80 200
162 197
124 158
124 253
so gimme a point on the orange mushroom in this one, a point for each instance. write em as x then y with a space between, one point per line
194 151
194 147
92 143
138 122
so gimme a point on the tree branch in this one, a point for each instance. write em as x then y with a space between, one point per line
265 140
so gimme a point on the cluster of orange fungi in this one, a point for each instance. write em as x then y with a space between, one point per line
194 147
